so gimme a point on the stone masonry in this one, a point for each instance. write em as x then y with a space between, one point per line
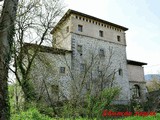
98 46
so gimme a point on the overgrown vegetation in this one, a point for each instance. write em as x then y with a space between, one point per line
91 108
30 114
26 102
154 84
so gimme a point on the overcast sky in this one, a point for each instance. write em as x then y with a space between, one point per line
142 17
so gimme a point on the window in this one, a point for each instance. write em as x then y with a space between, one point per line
101 33
120 72
100 73
101 53
55 91
79 49
118 38
80 28
67 29
82 67
136 91
62 69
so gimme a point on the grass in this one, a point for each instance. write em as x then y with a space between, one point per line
157 117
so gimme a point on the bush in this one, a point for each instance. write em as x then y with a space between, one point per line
31 114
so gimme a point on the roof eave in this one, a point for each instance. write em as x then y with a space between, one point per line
132 62
69 12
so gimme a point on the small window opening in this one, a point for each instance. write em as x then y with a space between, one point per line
62 69
82 67
79 49
101 33
120 72
67 29
80 28
118 38
101 53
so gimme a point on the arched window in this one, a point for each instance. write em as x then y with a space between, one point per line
136 91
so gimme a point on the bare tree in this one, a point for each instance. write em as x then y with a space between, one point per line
34 22
93 85
7 31
83 84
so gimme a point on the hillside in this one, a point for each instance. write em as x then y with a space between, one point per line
149 77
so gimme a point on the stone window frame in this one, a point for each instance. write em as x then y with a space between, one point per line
55 91
100 72
101 52
118 38
120 72
80 49
82 67
62 70
101 33
54 88
136 91
67 29
80 28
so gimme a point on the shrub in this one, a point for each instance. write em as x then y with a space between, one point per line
31 114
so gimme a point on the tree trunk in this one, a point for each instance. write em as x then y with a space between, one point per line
7 19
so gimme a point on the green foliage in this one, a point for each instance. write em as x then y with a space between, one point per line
153 85
15 98
31 114
136 106
11 97
104 99
157 117
92 106
45 109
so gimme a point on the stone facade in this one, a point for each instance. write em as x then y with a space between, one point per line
136 80
98 48
50 72
91 47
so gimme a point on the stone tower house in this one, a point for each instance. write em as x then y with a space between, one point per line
91 38
91 53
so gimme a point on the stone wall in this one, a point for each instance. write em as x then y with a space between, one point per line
135 73
112 39
46 71
136 77
91 28
91 47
